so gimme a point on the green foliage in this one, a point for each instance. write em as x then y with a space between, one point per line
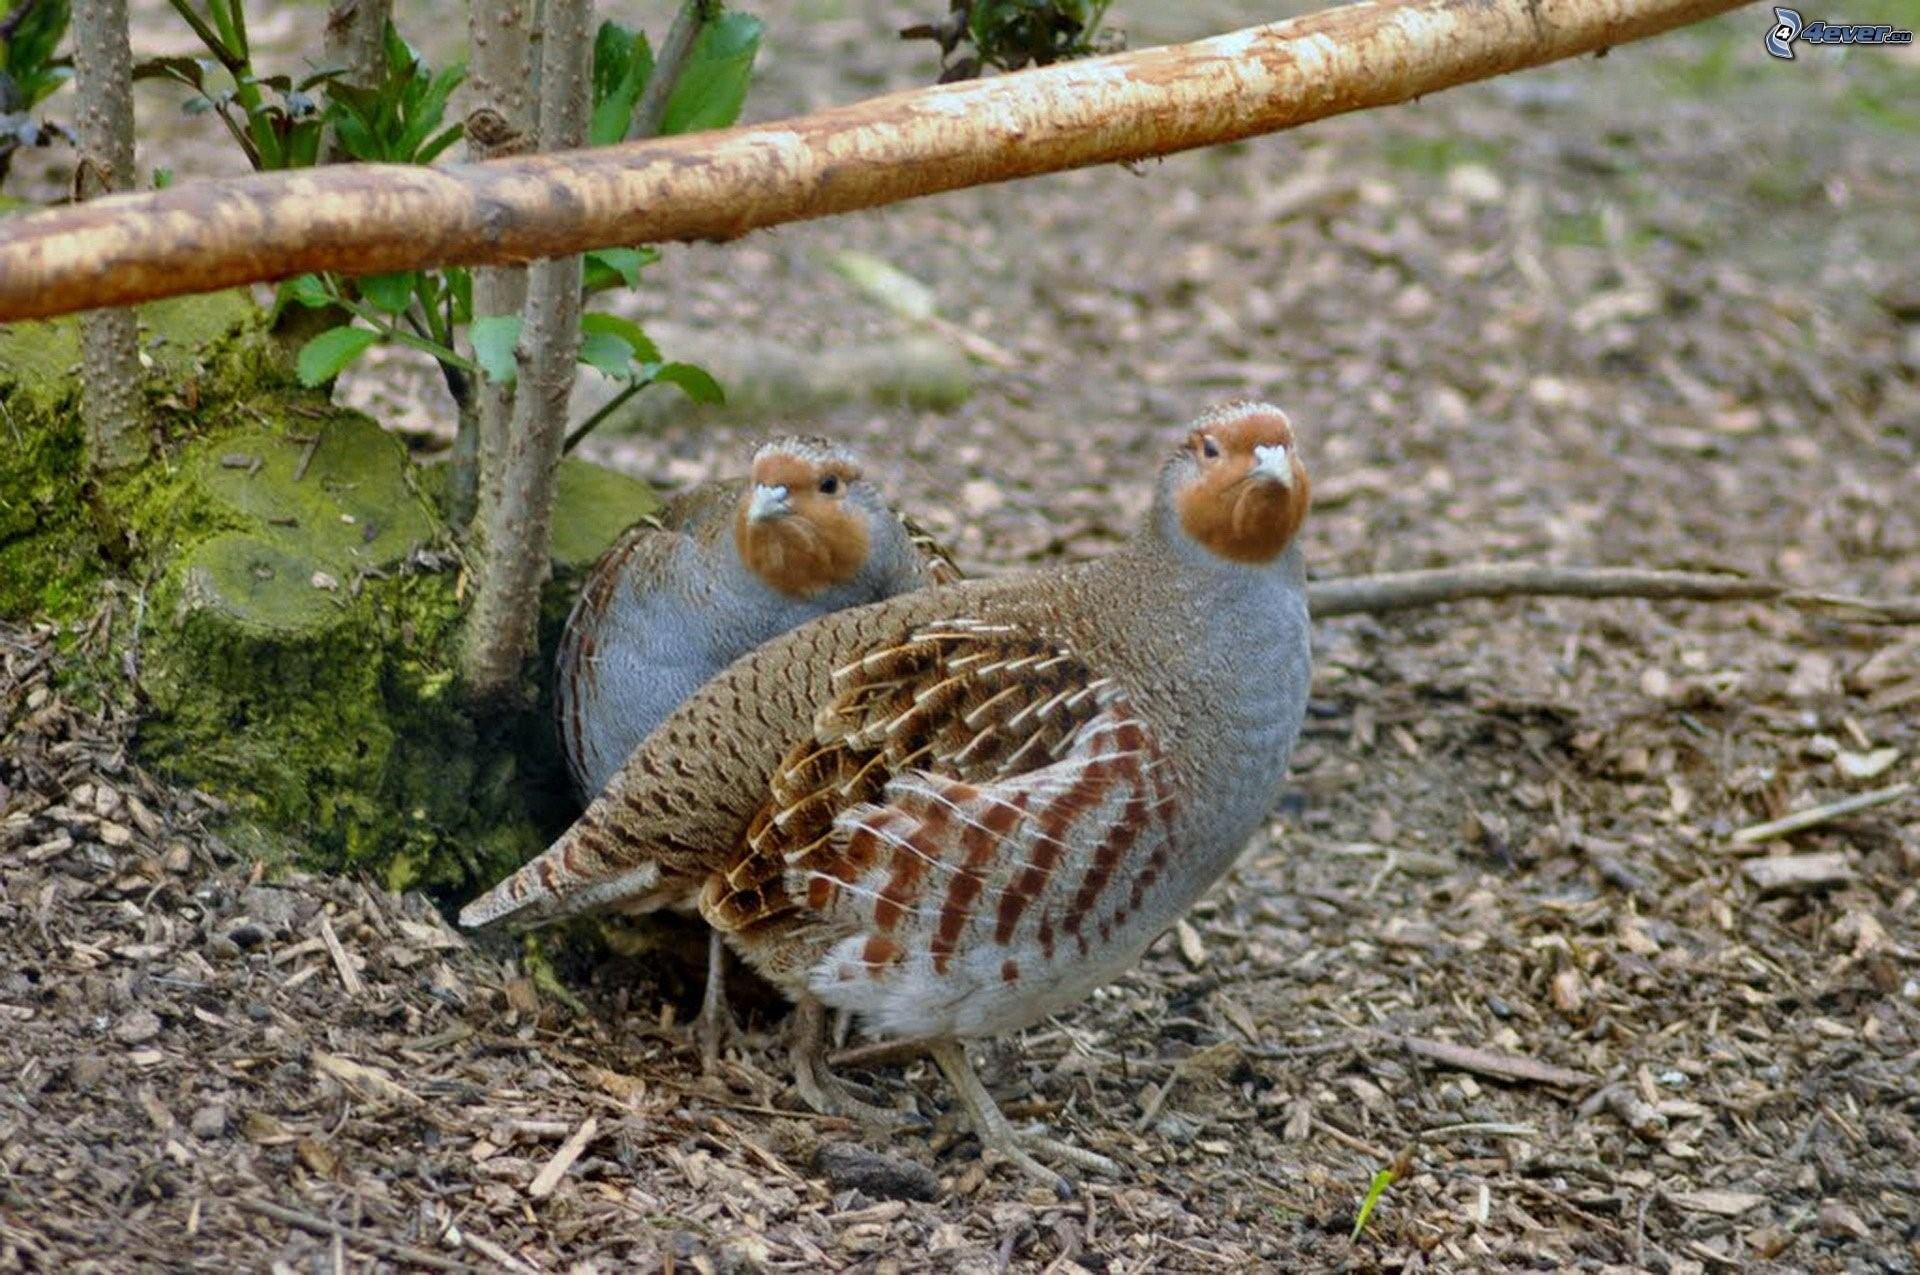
30 32
274 119
713 85
29 71
1376 1190
328 354
622 65
402 120
493 339
1010 34
399 120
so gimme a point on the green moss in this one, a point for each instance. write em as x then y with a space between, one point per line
301 602
54 525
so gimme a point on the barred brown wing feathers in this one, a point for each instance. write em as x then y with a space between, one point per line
970 790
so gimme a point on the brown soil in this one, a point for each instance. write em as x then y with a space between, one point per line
1657 309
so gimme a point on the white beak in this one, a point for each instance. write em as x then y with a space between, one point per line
1273 462
768 502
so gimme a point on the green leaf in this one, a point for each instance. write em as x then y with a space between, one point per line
431 151
621 329
607 354
309 290
622 65
1378 1188
713 85
162 178
459 285
611 267
191 72
324 357
34 40
494 339
695 382
389 292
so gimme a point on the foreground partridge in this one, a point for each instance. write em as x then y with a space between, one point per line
720 569
963 809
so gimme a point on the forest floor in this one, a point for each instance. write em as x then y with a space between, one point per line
1660 309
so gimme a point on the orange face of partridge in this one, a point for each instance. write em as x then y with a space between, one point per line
1251 492
795 528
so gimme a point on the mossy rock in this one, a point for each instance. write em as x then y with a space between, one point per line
53 523
302 604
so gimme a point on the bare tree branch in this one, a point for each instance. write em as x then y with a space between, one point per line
1402 591
368 219
519 518
111 401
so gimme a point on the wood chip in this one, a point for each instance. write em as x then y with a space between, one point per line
1798 872
349 977
549 1177
368 1080
1722 1203
1192 950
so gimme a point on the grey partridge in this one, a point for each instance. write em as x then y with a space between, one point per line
962 809
720 569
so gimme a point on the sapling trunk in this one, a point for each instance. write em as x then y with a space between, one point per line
513 561
111 402
500 122
355 43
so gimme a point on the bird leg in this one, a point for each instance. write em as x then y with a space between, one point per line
715 1025
818 1086
997 1134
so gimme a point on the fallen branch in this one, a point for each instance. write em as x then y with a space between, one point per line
1406 590
372 218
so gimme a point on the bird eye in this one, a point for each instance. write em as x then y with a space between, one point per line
1210 447
830 484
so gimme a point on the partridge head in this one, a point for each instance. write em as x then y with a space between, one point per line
722 568
959 810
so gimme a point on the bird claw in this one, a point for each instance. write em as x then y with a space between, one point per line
1018 1148
998 1135
831 1096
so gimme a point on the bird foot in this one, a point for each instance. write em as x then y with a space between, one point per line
825 1092
831 1096
998 1135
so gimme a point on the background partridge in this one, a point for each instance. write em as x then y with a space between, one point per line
720 569
963 809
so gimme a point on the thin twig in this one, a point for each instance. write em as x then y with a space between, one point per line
1801 820
1405 590
601 413
320 1226
1489 1062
